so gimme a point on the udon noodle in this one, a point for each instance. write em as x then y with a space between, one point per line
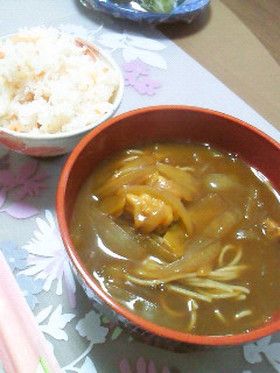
184 235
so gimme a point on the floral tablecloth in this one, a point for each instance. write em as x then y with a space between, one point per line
156 72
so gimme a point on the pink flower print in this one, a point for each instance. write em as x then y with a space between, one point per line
141 366
146 86
137 67
28 182
137 75
130 78
7 180
20 210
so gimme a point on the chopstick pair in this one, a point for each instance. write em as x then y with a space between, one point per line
23 348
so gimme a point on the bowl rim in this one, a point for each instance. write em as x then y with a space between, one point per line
184 9
79 131
214 340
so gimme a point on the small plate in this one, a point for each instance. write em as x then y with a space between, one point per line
151 11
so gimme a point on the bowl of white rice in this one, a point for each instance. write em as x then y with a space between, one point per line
54 88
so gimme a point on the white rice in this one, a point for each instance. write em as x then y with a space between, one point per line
48 83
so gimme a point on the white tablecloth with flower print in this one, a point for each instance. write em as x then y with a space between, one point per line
156 72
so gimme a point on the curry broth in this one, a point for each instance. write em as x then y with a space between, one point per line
217 175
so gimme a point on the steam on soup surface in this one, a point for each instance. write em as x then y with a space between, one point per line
184 235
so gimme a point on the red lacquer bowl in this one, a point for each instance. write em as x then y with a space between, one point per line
158 124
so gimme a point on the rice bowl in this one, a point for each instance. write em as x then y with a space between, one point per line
53 85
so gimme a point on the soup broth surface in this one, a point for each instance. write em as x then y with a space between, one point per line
184 235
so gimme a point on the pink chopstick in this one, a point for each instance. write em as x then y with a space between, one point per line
23 348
